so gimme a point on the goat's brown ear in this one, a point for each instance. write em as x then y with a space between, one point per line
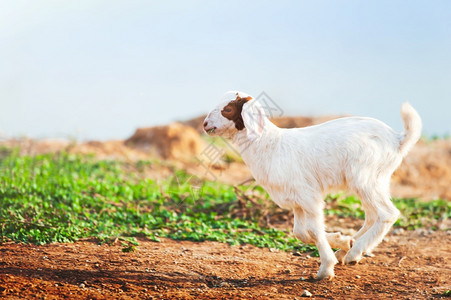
242 98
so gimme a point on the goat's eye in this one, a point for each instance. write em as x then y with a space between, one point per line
228 111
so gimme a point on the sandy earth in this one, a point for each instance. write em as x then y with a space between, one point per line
407 265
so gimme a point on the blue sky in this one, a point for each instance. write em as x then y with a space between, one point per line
100 69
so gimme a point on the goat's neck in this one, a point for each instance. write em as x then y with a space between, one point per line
257 152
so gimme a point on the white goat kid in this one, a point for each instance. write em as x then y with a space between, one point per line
297 167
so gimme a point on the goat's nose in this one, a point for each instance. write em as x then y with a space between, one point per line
205 124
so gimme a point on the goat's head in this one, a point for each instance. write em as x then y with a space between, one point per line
236 112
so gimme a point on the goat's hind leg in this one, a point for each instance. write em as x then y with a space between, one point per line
369 221
382 213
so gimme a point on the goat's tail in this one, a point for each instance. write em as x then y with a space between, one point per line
412 128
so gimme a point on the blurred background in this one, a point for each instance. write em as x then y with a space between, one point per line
100 69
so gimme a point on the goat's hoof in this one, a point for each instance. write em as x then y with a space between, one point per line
325 274
328 277
353 263
351 259
340 255
369 254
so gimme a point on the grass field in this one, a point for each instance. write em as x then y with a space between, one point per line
62 197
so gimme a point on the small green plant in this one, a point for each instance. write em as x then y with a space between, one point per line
129 244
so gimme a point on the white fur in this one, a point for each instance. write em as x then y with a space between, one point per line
297 167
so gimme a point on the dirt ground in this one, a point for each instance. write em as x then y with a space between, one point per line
407 265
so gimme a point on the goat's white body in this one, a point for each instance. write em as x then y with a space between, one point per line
298 166
290 163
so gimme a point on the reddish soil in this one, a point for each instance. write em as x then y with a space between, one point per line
410 265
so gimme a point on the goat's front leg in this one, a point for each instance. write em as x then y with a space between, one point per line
309 228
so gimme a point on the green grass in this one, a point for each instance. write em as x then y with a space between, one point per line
62 198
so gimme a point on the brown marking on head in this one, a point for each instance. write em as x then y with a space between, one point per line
232 111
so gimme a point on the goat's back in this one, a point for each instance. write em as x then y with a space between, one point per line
333 154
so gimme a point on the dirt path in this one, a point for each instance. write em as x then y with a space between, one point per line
407 266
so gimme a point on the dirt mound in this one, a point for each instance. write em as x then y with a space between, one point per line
102 150
28 146
173 141
107 150
196 123
426 171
